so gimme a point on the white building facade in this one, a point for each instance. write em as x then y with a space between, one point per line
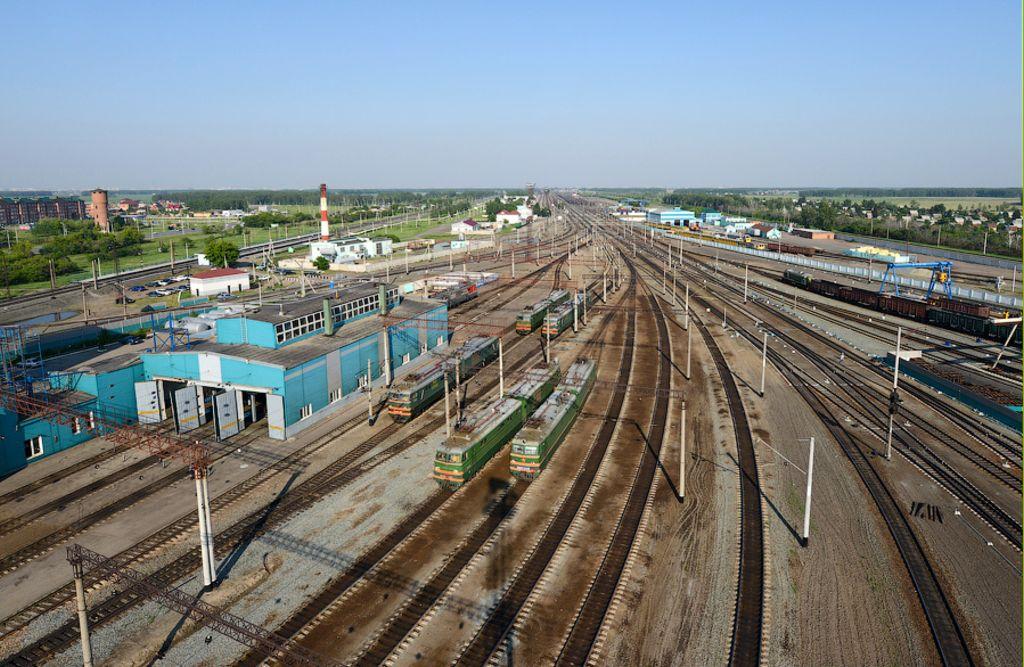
212 283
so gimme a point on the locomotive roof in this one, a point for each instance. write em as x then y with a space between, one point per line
478 424
532 379
578 372
553 409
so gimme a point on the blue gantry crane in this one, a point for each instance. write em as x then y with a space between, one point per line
942 275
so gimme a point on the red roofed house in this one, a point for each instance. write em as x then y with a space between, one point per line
212 283
467 226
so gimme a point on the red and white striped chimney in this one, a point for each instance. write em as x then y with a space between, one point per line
325 230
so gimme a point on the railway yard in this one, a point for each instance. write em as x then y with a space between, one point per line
620 447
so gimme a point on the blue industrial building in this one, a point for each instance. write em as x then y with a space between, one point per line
288 364
710 218
675 217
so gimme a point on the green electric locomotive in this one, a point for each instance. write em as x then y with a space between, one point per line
481 435
543 432
418 390
531 317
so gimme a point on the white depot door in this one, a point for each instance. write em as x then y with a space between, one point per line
147 402
186 409
275 416
226 415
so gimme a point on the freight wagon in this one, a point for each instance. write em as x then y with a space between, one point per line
531 317
534 445
417 391
481 435
964 316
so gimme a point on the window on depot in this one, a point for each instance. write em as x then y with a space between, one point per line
34 447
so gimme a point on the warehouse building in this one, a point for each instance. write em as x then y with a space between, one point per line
675 217
281 368
217 281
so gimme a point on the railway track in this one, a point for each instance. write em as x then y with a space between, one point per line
748 617
424 596
981 432
946 632
590 617
336 475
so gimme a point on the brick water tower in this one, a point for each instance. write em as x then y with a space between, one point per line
99 209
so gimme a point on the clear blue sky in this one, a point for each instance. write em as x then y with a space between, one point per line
431 94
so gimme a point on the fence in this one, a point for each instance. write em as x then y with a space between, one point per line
862 273
945 253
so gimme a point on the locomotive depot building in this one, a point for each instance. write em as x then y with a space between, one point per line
285 363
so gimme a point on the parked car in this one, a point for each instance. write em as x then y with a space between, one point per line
124 299
152 284
179 278
164 283
165 292
224 296
137 288
132 340
153 294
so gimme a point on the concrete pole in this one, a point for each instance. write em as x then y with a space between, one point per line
688 334
895 383
1002 348
585 320
451 253
387 358
547 349
575 312
447 407
513 253
807 501
83 615
764 360
209 527
744 283
95 280
725 315
501 370
604 287
686 309
203 542
674 301
53 276
172 255
458 394
85 307
664 278
369 393
682 450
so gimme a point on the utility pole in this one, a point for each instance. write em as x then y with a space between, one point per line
95 278
575 312
369 393
447 408
682 449
807 502
85 306
764 360
686 309
501 370
83 611
205 529
688 346
745 267
894 397
547 348
172 255
53 276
